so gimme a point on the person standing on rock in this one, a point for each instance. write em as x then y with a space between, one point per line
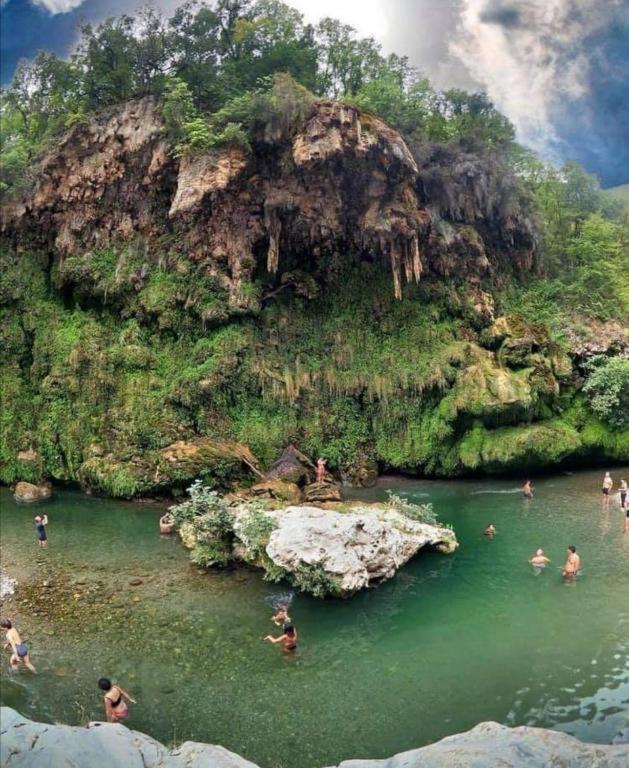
608 484
288 638
321 462
19 650
115 700
40 527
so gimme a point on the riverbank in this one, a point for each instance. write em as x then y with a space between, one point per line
26 743
448 642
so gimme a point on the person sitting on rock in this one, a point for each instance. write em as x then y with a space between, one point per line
321 462
19 650
115 700
490 530
40 527
281 615
288 638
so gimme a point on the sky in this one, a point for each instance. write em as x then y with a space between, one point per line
559 69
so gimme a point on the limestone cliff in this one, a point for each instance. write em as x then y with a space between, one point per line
164 316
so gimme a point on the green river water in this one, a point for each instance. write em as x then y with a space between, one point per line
449 642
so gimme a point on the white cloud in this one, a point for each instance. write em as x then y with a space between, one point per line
368 17
57 6
528 67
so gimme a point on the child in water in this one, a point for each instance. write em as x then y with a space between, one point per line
281 615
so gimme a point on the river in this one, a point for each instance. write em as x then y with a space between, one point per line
449 642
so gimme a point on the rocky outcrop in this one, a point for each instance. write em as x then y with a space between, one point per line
29 492
176 465
28 744
340 181
355 549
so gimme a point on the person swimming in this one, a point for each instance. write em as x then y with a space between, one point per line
490 530
288 638
115 700
527 490
281 615
573 563
19 650
539 559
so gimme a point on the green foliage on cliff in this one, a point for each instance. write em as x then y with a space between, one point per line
214 67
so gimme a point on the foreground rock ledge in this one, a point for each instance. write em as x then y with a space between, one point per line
25 743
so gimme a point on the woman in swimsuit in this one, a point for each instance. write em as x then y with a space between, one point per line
115 699
288 639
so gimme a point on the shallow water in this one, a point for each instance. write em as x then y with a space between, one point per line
449 642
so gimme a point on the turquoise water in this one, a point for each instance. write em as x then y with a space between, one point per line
449 642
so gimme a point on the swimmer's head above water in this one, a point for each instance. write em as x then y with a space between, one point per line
104 684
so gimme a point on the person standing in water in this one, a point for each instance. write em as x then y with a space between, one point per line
573 563
115 700
608 484
623 494
527 490
321 462
19 650
539 559
288 638
40 527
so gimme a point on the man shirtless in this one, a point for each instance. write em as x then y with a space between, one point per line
19 651
608 484
573 563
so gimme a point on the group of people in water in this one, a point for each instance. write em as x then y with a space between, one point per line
572 564
116 699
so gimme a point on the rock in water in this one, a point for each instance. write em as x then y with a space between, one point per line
357 549
277 490
28 492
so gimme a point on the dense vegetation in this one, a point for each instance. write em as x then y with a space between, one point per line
106 366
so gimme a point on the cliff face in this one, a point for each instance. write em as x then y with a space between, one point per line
327 287
343 182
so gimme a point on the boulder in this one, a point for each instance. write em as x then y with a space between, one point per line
277 490
293 466
317 493
28 744
491 744
29 492
362 472
355 549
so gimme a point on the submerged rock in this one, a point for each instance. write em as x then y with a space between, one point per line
355 549
28 744
29 492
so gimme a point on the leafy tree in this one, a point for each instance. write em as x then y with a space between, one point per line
608 389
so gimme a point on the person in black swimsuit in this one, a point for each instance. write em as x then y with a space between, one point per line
288 638
40 527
